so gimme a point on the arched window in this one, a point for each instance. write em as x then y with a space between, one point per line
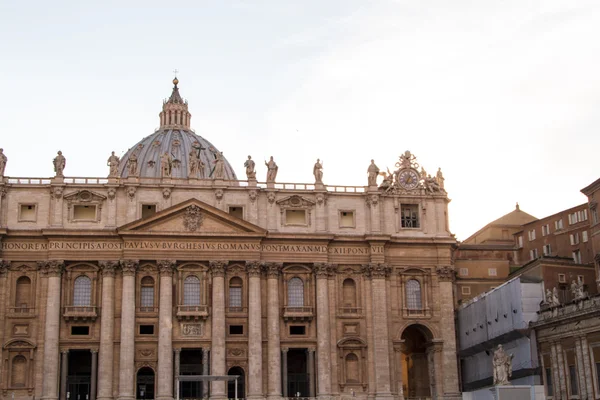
147 294
23 292
295 292
235 292
349 292
413 295
352 374
82 291
191 291
18 373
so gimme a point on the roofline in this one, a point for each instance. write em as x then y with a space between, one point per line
591 188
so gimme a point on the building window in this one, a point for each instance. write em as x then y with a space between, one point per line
295 217
84 212
531 235
349 292
27 212
147 294
545 230
572 218
492 272
584 236
463 272
577 256
236 211
346 219
533 254
598 373
562 278
18 375
520 242
558 224
191 291
413 295
595 215
146 329
82 291
23 292
236 329
295 292
352 375
235 292
148 210
547 249
80 331
573 380
574 238
580 279
465 290
297 330
549 388
409 217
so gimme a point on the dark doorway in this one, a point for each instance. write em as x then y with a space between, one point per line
241 384
79 375
145 383
190 363
418 374
298 378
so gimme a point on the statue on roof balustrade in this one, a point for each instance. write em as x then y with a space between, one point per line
60 162
3 161
113 163
250 172
272 169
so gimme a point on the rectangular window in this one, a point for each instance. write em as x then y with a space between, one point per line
531 235
235 296
558 224
562 278
465 290
80 330
236 329
27 212
580 278
533 254
84 212
547 250
297 330
148 210
545 230
577 256
595 219
573 380
574 237
463 272
492 272
549 388
520 241
295 217
147 296
237 211
584 236
409 216
146 329
347 219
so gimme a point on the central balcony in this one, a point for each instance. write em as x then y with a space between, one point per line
298 313
80 313
188 313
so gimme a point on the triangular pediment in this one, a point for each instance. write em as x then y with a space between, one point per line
192 217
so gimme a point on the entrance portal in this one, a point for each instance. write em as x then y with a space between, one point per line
241 384
79 375
297 377
416 372
191 364
145 384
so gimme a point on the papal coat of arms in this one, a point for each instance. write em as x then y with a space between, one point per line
192 218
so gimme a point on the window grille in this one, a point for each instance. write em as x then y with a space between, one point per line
295 292
410 216
147 292
413 295
82 291
191 291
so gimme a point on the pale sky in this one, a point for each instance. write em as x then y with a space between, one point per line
503 95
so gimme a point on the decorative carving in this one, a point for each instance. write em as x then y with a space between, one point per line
252 194
271 197
219 170
321 270
60 162
502 363
84 196
3 161
132 163
54 268
273 269
57 192
372 200
236 352
131 190
577 290
321 198
552 298
253 268
272 169
166 192
146 352
431 185
2 191
129 267
192 218
112 193
219 194
446 273
295 201
165 267
191 329
108 267
250 172
318 172
113 163
379 270
4 267
218 267
407 160
372 172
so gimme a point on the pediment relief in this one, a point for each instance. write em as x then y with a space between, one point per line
352 342
84 196
192 217
295 201
19 344
296 269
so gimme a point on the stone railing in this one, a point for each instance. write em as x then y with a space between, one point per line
298 313
569 310
17 312
80 313
186 312
350 311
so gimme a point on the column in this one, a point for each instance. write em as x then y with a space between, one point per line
53 269
446 276
127 345
218 328
284 371
205 352
255 378
94 377
399 356
381 340
165 331
311 372
273 334
3 289
64 370
177 353
555 375
333 349
107 329
587 365
368 293
323 348
580 369
561 371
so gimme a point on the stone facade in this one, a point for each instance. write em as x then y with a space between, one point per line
111 288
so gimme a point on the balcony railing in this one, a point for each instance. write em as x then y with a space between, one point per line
146 310
236 310
416 312
21 312
298 313
80 313
350 311
187 312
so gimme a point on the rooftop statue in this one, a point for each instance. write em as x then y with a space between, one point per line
113 163
219 171
577 290
318 172
250 172
440 178
407 160
3 161
502 363
431 184
59 164
373 171
272 170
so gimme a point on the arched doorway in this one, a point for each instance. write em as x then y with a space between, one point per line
241 384
145 383
418 373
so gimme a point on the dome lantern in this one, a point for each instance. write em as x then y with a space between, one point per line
175 114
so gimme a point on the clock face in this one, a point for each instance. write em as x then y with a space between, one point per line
408 179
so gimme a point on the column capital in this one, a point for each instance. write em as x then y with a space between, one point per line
205 350
253 268
321 270
165 267
273 269
129 267
4 267
94 351
52 268
108 267
64 351
446 273
218 267
285 349
376 270
176 349
310 350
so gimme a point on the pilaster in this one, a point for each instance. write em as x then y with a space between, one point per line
217 352
255 377
273 272
165 331
53 270
107 328
321 272
127 345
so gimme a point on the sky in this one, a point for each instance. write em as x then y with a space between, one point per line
503 95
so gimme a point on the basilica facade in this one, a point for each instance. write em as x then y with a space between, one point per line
113 288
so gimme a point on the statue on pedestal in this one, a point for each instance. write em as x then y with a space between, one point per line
219 171
373 171
113 162
440 178
318 172
3 161
502 366
577 290
59 164
272 170
250 172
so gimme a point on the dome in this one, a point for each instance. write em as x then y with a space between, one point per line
179 142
